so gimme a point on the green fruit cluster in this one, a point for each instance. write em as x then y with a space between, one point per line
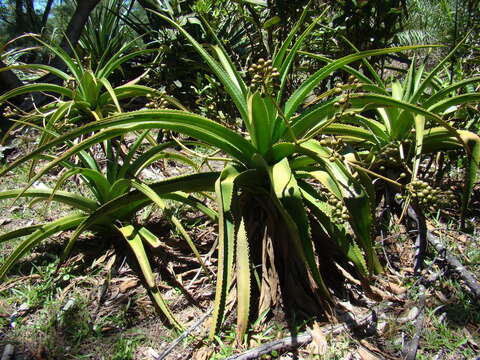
156 102
335 155
264 77
389 153
340 212
9 112
425 194
336 145
332 142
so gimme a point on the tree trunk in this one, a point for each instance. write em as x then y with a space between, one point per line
148 6
46 12
74 28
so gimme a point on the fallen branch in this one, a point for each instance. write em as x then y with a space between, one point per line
292 342
470 280
183 335
410 350
8 352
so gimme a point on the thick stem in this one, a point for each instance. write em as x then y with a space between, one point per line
46 12
421 241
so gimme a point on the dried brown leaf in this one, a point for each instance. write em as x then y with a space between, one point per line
127 285
367 355
203 353
319 344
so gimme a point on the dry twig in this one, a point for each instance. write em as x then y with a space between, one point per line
292 342
410 350
183 335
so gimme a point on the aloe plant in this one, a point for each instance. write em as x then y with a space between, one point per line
285 200
413 119
87 93
106 214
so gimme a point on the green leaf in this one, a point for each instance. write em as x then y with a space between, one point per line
323 212
224 188
302 92
243 280
230 86
74 200
226 61
118 59
135 242
75 67
66 223
289 202
152 195
41 87
445 92
149 237
473 164
429 78
284 65
313 119
62 75
187 123
261 121
419 135
463 99
111 92
355 198
375 101
19 232
271 22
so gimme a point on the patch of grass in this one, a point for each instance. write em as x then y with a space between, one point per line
59 328
124 348
338 348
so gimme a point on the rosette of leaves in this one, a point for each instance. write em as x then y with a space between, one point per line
86 94
277 237
116 196
412 119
